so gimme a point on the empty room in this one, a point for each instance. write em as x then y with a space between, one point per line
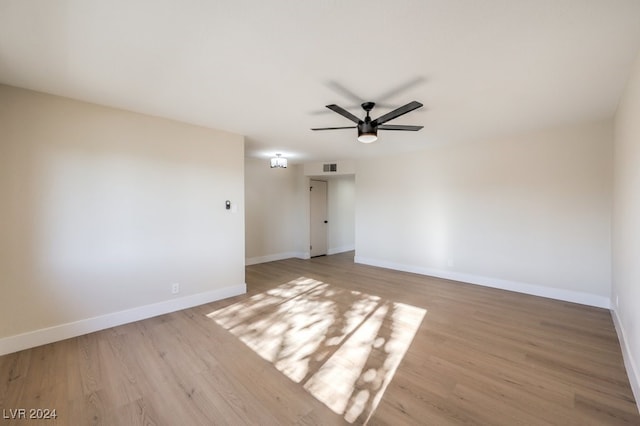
319 213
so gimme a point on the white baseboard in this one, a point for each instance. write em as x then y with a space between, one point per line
273 257
65 331
342 249
629 363
535 290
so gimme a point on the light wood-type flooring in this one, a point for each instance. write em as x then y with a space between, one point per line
326 341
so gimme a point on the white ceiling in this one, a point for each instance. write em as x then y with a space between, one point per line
265 69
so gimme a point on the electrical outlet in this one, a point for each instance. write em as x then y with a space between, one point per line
175 288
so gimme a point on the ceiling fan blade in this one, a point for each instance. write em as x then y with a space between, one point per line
335 128
343 112
399 127
339 88
399 89
397 112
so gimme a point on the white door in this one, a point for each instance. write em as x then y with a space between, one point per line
318 220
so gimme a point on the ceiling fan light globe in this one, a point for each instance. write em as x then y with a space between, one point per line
367 137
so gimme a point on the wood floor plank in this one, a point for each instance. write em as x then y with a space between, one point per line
377 346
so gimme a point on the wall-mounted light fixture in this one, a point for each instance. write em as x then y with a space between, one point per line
278 162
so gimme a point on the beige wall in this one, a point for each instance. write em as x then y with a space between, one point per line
626 227
277 212
276 205
102 210
341 213
530 213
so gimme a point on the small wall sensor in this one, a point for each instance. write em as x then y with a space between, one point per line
227 204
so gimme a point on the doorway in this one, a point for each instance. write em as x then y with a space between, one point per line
318 218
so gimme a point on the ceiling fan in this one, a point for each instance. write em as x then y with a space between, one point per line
368 128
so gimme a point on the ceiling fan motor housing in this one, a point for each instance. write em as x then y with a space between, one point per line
367 128
367 131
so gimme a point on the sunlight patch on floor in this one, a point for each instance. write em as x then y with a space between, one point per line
343 346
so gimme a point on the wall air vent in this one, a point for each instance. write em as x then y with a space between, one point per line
330 167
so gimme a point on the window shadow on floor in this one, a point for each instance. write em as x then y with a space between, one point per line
342 346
